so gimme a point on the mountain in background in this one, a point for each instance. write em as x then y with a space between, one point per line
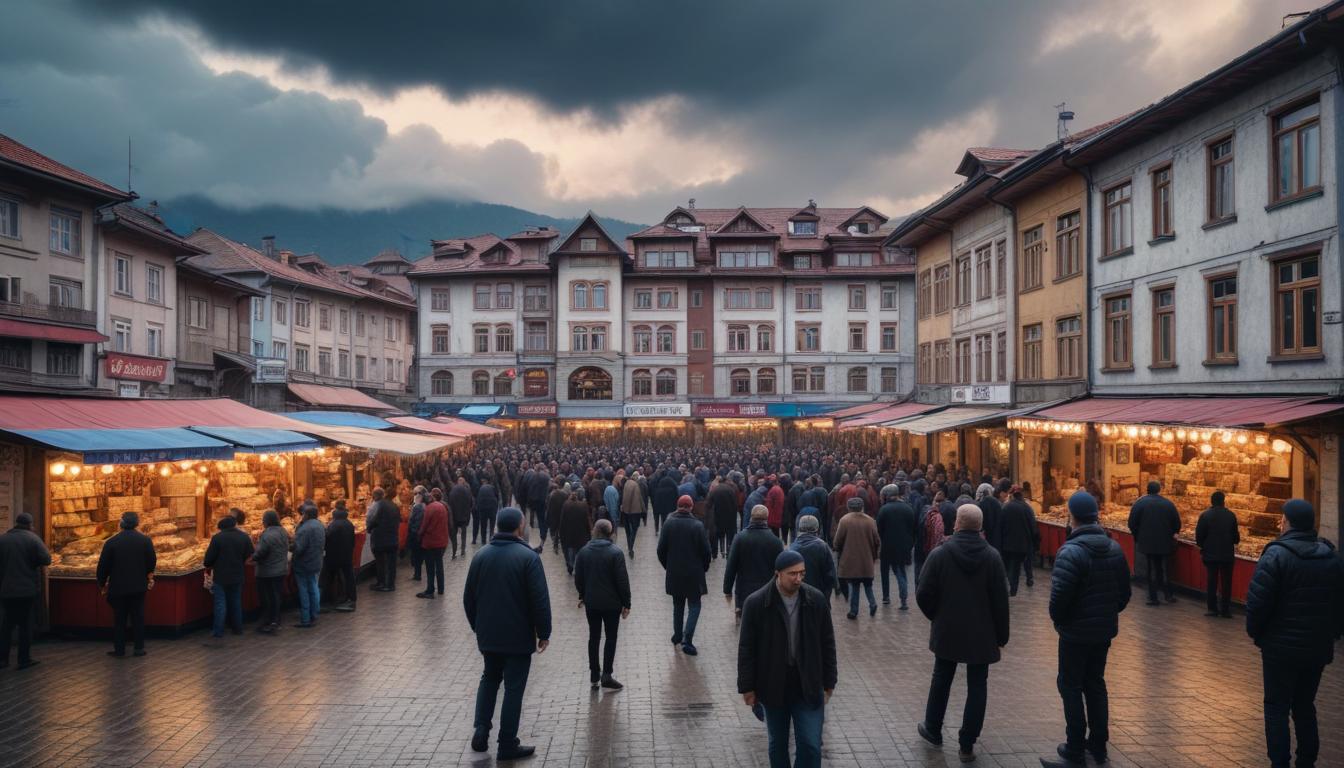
354 237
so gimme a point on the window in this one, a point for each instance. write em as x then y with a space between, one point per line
1068 248
599 295
344 321
1118 217
697 339
1297 307
480 383
579 292
858 333
536 336
807 299
503 385
697 298
746 259
737 298
65 232
10 291
122 281
482 296
1031 352
1164 328
861 227
343 364
301 319
1068 347
641 383
66 293
16 354
359 367
504 338
1118 333
441 383
258 348
590 384
324 317
925 363
738 338
1297 151
739 381
1032 246
1001 267
359 324
1001 356
858 297
644 299
579 338
598 338
121 335
504 296
888 343
890 380
963 347
984 357
258 309
804 262
765 381
643 339
809 337
802 228
373 368
765 338
481 339
587 243
697 383
1222 181
440 338
925 301
858 379
64 359
440 300
198 312
1223 319
153 284
942 362
888 294
655 259
9 218
984 272
665 383
324 362
667 298
765 298
300 357
853 259
942 279
280 314
667 340
1162 215
536 298
809 378
963 289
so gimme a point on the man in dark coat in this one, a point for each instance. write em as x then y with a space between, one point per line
487 504
815 496
1019 538
1217 534
723 508
786 662
555 504
125 573
683 551
664 500
460 502
384 525
964 593
817 556
338 559
1294 613
897 527
22 558
992 511
604 592
576 520
1154 521
537 493
509 609
751 560
225 559
793 494
1089 588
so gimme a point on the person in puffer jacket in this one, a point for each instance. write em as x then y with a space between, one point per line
1089 589
1294 613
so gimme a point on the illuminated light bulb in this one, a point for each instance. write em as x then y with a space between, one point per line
1242 440
1131 431
165 471
1226 437
75 469
1167 436
58 469
283 462
1204 436
1281 446
1206 449
184 464
107 469
150 467
1261 440
1180 435
203 469
1105 430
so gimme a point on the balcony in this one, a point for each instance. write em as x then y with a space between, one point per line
50 313
25 378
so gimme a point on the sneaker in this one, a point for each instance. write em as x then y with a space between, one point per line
611 684
515 753
593 682
480 740
1068 758
426 595
345 607
936 739
886 601
851 616
689 649
904 607
966 754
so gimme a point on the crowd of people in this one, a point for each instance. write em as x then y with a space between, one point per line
797 527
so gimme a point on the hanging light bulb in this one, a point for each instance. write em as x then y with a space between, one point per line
1242 439
107 469
165 471
75 469
184 464
1204 436
1167 436
1226 437
1105 430
1131 432
150 467
1261 440
203 469
58 469
1281 446
1206 449
1180 435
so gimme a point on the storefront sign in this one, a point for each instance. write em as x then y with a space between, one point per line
729 410
537 383
658 411
128 389
537 409
121 366
988 393
270 370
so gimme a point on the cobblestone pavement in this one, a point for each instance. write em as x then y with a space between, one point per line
393 685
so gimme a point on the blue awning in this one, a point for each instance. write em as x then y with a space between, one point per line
797 410
340 419
256 440
480 411
131 446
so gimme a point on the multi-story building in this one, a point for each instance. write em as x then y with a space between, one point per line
214 351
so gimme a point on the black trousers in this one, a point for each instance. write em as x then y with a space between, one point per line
512 671
1156 570
458 537
1082 687
611 620
417 559
485 526
722 541
1290 688
385 565
1219 578
345 574
1013 562
977 696
18 616
268 592
433 569
124 608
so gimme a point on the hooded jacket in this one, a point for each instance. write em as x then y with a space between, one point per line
1089 586
1295 604
963 591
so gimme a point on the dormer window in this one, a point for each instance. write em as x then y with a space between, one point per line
860 227
588 244
493 257
803 228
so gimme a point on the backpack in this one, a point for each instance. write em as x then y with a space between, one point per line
933 529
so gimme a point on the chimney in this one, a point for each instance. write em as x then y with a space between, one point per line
268 246
286 257
154 208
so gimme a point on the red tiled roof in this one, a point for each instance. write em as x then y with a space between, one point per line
998 154
464 255
830 224
139 218
389 256
13 152
535 234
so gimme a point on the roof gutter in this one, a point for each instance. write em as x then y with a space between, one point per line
85 189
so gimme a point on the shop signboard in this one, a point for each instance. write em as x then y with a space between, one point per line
128 389
533 410
980 393
657 410
537 383
729 410
135 367
271 370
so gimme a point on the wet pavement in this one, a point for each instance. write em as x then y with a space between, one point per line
393 684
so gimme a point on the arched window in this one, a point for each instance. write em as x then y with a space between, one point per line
739 381
858 379
641 383
590 384
599 337
580 296
503 385
765 381
667 339
481 338
441 383
580 341
643 339
599 295
504 338
765 338
480 383
890 380
667 383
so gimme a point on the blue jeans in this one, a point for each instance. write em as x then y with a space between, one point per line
631 529
228 605
888 566
807 722
309 598
510 669
852 586
685 634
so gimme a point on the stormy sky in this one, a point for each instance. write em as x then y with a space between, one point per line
628 107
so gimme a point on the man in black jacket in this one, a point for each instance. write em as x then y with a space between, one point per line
751 559
125 573
1217 534
225 559
1089 589
1154 521
338 559
460 502
683 551
964 593
1295 612
22 557
384 527
723 506
604 593
897 526
786 661
1019 538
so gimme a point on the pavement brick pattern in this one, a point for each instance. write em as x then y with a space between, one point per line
394 684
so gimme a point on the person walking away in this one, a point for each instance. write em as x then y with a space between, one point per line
435 533
555 505
897 528
665 500
1154 521
509 608
632 510
964 593
723 509
1089 588
338 558
413 532
1217 534
857 547
22 558
537 491
751 560
460 508
683 551
487 506
125 573
1294 613
604 594
309 539
272 563
225 558
1018 538
817 556
774 504
786 661
992 510
383 524
931 534
575 522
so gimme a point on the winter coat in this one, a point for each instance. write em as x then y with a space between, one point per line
992 513
632 499
931 532
857 545
125 563
755 498
506 600
791 505
272 553
1018 534
763 647
487 501
340 549
723 502
1154 521
964 593
22 553
460 504
1089 586
897 527
818 560
436 529
611 499
226 555
309 539
1295 604
600 576
1217 535
774 501
413 525
383 524
575 524
555 504
537 491
751 561
683 551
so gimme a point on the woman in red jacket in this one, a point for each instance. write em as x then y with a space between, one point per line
434 534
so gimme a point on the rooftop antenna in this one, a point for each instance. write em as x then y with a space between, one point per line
1062 123
129 167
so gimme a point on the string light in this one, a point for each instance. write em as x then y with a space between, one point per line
75 469
1206 449
107 469
58 469
1281 446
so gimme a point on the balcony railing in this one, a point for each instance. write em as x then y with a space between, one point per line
30 378
50 313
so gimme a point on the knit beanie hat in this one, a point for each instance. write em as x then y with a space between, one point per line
1083 506
1301 516
787 559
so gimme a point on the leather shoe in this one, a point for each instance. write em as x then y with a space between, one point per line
936 739
689 649
515 753
611 684
480 740
966 754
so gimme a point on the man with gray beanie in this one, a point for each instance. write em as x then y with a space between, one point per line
22 557
817 556
1295 612
125 573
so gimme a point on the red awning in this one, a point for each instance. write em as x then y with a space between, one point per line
463 427
1199 411
856 410
889 413
338 397
434 427
24 330
118 413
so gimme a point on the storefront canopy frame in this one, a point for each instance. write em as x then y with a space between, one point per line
260 440
890 413
339 397
381 440
480 411
466 428
340 419
1245 412
25 330
34 412
130 446
454 428
859 410
951 418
